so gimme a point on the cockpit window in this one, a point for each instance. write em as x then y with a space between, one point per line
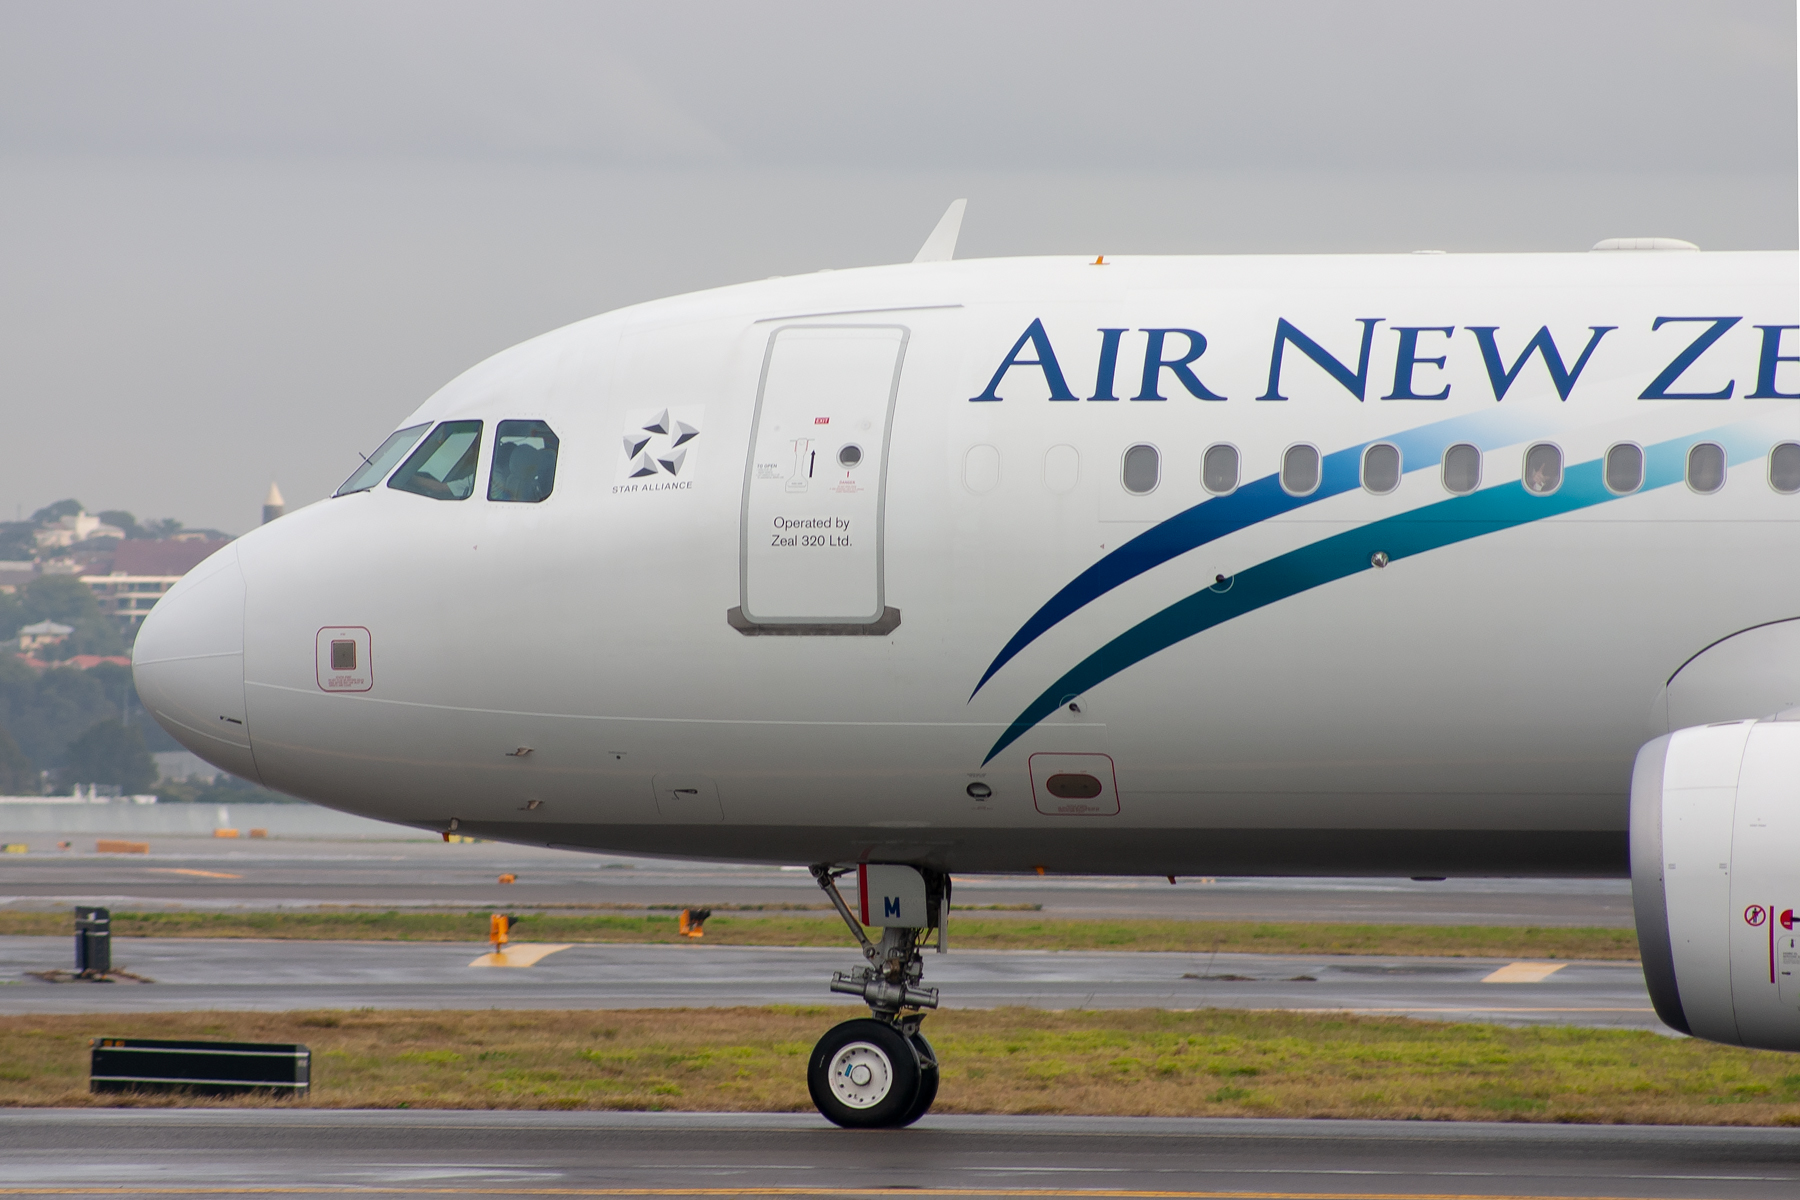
524 467
443 467
378 464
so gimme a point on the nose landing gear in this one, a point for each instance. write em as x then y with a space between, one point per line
879 1071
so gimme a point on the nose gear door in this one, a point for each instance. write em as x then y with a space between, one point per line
815 484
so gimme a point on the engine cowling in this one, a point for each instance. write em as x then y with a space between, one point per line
1715 879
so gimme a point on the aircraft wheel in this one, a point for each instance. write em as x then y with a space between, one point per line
865 1075
928 1079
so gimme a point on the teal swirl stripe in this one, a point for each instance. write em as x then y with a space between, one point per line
1460 519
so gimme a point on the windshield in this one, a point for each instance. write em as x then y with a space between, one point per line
524 467
378 464
443 467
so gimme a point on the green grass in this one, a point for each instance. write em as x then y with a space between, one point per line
966 932
1143 1062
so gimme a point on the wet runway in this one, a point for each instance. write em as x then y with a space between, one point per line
203 872
492 1154
313 1152
205 973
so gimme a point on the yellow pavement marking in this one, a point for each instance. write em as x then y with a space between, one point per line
519 954
1120 1193
1481 1008
1525 972
192 871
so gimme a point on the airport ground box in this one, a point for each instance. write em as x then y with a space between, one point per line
198 1067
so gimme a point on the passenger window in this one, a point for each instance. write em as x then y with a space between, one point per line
1141 469
1462 469
1706 467
377 465
1300 470
1219 470
1624 468
981 469
1543 469
443 467
1062 469
1381 468
1784 468
524 467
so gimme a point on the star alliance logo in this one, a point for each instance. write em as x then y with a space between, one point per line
659 450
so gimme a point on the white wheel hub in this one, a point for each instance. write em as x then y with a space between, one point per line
861 1075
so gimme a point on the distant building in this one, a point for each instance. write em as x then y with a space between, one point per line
75 662
142 571
44 633
273 504
183 765
83 662
128 599
165 556
78 528
15 575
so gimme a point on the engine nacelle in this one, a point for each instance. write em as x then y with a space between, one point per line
1715 879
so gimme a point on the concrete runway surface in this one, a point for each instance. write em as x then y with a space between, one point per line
203 872
492 1154
207 973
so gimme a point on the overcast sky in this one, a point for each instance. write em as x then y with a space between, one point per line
239 241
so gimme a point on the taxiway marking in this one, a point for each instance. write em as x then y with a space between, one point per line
1425 1008
1099 1193
520 954
1525 972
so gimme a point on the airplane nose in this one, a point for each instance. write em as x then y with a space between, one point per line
189 664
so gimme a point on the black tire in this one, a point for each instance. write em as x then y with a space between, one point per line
864 1075
928 1080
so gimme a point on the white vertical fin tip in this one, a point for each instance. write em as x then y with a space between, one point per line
941 245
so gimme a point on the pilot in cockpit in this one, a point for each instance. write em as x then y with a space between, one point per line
524 468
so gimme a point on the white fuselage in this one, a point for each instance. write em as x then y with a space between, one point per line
743 642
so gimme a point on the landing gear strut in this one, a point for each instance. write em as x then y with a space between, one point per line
879 1071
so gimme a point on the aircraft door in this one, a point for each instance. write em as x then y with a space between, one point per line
815 483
